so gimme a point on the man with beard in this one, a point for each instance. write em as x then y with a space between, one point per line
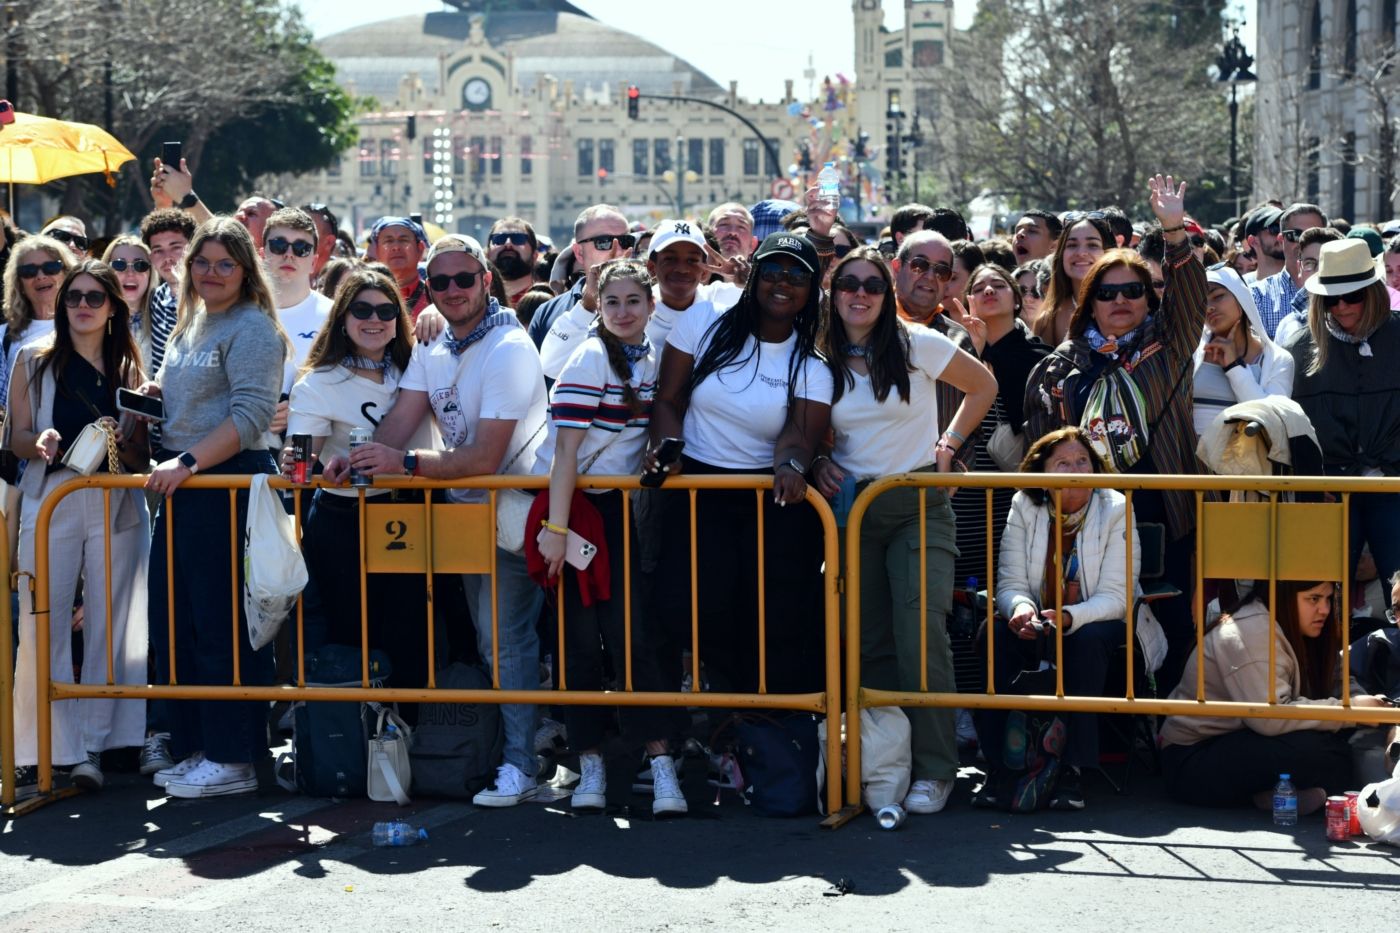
511 246
1035 235
399 242
1261 236
1273 294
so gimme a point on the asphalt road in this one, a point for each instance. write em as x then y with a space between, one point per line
131 859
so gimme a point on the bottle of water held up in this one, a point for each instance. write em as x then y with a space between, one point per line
829 186
396 833
1285 802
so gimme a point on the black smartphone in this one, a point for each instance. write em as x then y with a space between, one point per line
147 406
668 453
171 153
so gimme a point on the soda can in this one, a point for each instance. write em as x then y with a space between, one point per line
301 457
1338 819
358 438
1354 811
890 817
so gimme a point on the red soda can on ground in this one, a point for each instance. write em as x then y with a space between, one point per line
1354 811
301 457
1338 819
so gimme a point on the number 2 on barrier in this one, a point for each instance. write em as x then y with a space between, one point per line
462 539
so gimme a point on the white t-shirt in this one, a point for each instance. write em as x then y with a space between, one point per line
664 318
38 331
879 438
302 322
565 335
499 378
720 294
735 415
588 396
331 402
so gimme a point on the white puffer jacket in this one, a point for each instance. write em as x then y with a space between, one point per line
1101 543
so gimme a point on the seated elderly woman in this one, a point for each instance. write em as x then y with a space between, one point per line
1091 591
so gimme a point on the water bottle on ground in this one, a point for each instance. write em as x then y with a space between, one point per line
829 186
1285 802
396 833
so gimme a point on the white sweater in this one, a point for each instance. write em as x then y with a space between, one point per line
1102 565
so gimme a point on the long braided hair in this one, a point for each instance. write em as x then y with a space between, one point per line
621 270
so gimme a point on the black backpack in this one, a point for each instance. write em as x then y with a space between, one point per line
456 746
330 739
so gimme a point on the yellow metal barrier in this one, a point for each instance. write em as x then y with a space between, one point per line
7 682
1270 540
437 538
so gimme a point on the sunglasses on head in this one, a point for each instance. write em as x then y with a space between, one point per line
605 241
121 265
773 273
1074 217
364 310
72 239
323 212
31 269
849 283
1352 298
439 283
1129 290
514 239
300 248
95 298
941 270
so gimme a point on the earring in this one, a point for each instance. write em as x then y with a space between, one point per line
109 327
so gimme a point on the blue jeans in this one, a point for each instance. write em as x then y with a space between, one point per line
1374 519
518 599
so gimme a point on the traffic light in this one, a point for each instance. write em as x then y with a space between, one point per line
633 98
892 160
861 146
412 126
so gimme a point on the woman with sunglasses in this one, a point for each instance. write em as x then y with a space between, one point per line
58 391
130 258
884 419
1215 761
1082 240
37 265
351 380
747 393
219 384
1124 376
1027 278
1347 379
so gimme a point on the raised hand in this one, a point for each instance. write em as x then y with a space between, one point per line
1167 200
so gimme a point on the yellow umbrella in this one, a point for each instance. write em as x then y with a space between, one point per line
433 231
36 150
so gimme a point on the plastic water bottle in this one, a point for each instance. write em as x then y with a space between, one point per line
829 185
1285 802
396 833
891 817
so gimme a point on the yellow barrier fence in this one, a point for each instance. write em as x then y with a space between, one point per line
1269 540
7 681
432 538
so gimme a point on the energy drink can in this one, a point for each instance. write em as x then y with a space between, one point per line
301 457
358 438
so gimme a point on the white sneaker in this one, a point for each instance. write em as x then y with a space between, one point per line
88 774
927 796
173 773
667 798
512 787
591 792
155 754
213 779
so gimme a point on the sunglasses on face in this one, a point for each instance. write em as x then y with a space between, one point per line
439 283
31 269
1129 290
139 265
514 239
1030 291
773 273
1292 235
300 248
95 298
1352 298
849 283
1160 285
72 239
1271 228
604 241
1197 240
223 268
941 270
364 310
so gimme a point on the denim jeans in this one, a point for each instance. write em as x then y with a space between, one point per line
1375 521
518 601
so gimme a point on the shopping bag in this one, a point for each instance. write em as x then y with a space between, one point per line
274 573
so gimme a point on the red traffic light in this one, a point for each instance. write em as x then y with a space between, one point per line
633 91
633 99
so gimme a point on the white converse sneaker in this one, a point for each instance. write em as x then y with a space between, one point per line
88 774
512 787
213 779
173 773
591 792
667 799
155 754
927 796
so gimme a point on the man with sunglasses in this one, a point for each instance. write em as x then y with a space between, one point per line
1261 237
289 255
399 243
481 382
601 233
1273 294
327 233
512 247
71 232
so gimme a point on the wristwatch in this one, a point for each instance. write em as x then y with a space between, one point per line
188 461
792 464
410 462
189 200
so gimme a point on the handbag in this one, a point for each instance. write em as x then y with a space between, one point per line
1007 448
513 505
86 454
389 769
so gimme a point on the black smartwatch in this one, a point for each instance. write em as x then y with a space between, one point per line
189 200
410 462
188 461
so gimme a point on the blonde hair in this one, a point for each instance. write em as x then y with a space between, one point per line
1375 309
143 304
18 311
255 290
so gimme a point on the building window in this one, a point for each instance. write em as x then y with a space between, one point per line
640 149
1388 21
607 155
527 162
1348 206
585 157
662 155
1349 40
476 157
369 162
334 169
695 156
717 157
459 156
428 154
894 58
1315 47
1314 182
750 157
495 155
928 53
388 158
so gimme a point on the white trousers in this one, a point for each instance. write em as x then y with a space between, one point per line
76 558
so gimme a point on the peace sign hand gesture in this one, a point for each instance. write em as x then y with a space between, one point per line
734 269
1167 200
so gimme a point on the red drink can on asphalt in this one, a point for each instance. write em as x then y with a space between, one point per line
1354 811
301 457
1338 819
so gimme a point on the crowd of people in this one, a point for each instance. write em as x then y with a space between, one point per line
766 340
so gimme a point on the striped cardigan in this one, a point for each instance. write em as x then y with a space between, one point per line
1163 354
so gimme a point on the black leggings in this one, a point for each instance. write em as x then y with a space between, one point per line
1228 770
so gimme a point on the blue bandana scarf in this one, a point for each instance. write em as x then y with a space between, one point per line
495 317
1108 346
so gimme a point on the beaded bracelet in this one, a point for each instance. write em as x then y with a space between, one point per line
548 526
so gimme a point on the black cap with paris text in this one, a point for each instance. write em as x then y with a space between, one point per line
784 243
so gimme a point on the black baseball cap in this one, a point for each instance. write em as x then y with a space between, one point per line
1261 218
784 243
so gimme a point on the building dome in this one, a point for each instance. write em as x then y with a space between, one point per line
569 46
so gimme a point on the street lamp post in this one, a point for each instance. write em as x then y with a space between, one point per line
680 177
1233 65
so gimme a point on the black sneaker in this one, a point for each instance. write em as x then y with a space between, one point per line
26 782
1069 791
